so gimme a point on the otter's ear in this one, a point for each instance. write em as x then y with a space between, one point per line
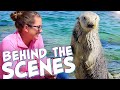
98 17
77 18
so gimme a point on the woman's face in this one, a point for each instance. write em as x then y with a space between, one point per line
35 29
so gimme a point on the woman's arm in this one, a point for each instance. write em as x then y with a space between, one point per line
41 45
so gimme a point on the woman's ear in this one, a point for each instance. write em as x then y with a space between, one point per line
26 28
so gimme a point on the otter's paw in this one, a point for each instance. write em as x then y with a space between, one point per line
89 64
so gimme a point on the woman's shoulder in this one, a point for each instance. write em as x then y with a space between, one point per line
10 37
9 42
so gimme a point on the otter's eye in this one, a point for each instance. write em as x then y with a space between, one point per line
84 18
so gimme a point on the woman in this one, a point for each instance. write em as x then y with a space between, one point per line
27 36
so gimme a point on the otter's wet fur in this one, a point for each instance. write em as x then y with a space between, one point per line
87 49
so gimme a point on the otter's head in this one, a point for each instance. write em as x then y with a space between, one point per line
88 21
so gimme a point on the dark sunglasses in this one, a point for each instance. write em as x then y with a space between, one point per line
39 27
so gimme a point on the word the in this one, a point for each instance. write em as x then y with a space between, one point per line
62 51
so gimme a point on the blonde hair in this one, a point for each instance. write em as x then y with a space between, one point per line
22 18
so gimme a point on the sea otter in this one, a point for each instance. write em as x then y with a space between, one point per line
87 49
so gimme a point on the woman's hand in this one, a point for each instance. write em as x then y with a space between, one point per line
50 76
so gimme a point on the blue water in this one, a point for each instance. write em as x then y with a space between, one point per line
58 26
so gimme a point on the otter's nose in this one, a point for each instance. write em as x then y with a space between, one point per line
90 25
